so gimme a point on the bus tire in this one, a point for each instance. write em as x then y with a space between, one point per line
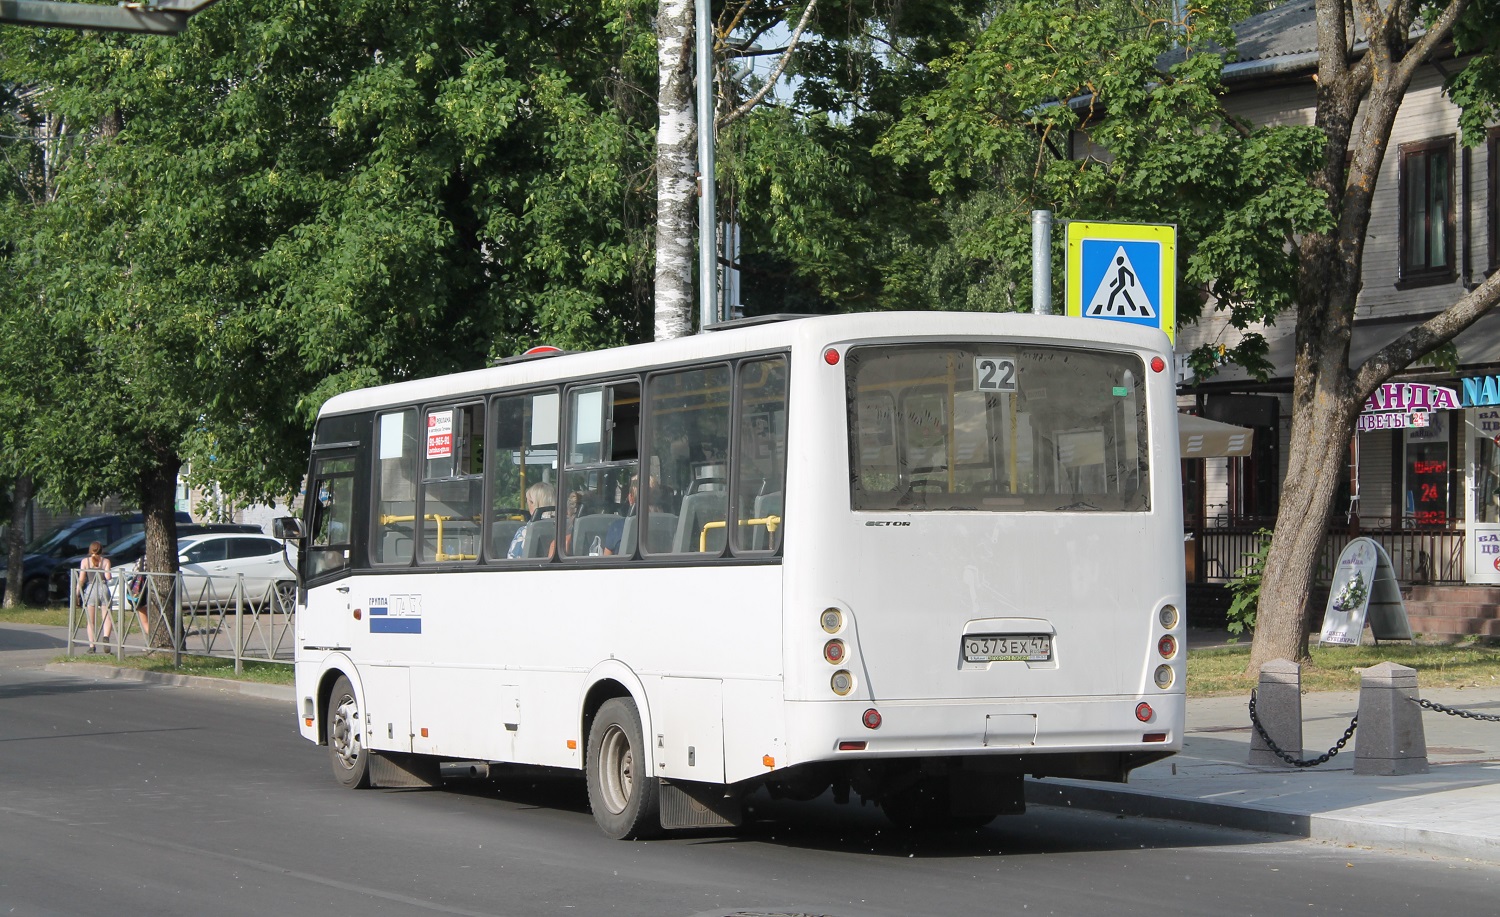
346 737
625 800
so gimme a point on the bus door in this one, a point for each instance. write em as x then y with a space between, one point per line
327 622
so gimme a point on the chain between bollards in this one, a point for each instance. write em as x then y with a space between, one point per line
1454 711
1294 762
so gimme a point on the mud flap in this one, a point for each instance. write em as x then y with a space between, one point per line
685 804
398 769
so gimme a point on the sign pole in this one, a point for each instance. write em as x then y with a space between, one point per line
1041 262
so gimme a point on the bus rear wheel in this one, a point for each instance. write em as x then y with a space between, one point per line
346 737
625 799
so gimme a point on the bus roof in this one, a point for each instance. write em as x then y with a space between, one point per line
752 338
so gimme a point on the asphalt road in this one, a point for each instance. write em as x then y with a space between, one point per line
120 798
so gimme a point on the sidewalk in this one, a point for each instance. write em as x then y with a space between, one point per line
1454 810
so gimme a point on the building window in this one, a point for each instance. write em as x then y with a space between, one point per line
1427 212
1493 210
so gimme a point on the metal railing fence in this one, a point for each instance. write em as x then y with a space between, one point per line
186 614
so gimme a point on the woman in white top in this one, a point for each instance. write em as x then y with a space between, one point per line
93 591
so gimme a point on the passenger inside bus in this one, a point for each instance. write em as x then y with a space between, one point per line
541 511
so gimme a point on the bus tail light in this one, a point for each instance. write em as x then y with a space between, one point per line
1154 737
832 620
871 719
842 682
851 746
1143 712
833 651
1167 646
1164 677
1168 616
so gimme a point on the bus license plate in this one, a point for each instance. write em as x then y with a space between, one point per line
1007 647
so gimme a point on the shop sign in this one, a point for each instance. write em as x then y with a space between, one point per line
1480 391
1398 405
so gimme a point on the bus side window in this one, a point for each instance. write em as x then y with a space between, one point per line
760 455
687 472
453 484
522 454
332 517
395 487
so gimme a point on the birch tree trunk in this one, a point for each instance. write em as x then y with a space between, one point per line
676 170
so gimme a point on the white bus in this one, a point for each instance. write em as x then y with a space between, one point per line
909 556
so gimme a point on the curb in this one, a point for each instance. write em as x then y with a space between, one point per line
249 689
1351 832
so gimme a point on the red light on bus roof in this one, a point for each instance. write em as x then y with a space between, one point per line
541 348
831 357
1158 364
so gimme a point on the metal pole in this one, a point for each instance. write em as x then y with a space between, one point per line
708 249
239 627
1041 262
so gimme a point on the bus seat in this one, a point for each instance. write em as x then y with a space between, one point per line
659 532
697 509
396 548
501 534
760 536
587 528
537 541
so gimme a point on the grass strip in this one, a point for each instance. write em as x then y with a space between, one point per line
1221 671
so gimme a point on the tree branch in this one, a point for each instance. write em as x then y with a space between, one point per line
791 45
1424 338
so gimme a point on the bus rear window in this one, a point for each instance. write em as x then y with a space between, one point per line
996 427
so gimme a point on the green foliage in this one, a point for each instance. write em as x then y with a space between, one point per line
1144 97
289 200
1245 586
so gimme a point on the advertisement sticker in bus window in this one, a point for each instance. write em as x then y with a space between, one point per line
440 434
995 373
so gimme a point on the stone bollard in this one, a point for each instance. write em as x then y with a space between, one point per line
1278 706
1390 740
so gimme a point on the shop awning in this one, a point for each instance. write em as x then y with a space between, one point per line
1199 437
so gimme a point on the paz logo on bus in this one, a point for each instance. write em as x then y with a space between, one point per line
395 614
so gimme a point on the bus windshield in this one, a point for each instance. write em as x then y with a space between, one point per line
1002 427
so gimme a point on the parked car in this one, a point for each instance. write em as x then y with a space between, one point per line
68 540
132 548
222 557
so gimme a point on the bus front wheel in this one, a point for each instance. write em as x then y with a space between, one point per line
346 737
625 799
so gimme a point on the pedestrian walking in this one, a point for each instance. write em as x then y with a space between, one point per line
93 592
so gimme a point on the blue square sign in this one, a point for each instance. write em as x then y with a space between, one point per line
1123 272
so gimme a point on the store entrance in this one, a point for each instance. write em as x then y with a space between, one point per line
1483 476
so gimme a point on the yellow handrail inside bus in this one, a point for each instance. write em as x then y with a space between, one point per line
439 554
772 523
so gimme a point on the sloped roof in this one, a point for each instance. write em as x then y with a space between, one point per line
1291 28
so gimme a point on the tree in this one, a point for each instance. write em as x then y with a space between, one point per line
288 202
1359 95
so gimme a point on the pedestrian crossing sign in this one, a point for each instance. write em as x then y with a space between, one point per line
1123 272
